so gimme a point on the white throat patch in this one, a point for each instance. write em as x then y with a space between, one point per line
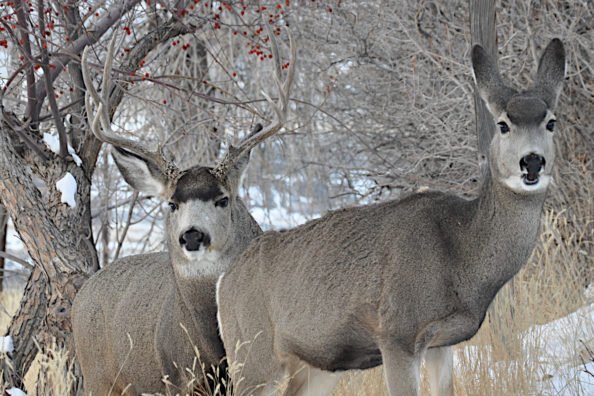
204 262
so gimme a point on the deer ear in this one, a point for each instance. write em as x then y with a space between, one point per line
141 173
488 81
551 72
237 170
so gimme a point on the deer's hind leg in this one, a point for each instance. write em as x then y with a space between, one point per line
306 380
440 364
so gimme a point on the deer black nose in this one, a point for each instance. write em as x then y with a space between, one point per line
192 239
532 164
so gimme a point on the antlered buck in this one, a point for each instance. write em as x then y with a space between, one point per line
393 282
128 318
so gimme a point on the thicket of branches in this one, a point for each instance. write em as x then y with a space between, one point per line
382 105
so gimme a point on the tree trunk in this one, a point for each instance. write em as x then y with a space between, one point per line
58 237
58 242
482 31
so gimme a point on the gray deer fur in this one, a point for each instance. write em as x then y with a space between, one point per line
127 318
393 282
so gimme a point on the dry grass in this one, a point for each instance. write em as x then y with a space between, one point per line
49 370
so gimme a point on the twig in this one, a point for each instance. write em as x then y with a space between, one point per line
49 86
127 225
17 260
99 29
25 45
21 131
119 204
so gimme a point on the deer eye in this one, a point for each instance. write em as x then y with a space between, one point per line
551 125
503 127
173 206
222 203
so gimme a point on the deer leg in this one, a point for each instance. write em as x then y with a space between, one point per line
401 369
439 363
311 381
255 369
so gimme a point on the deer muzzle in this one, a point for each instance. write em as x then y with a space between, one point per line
192 239
531 166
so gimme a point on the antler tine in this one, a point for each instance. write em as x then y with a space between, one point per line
284 89
280 108
104 132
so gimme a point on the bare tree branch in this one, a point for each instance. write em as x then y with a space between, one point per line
148 42
49 85
16 259
21 12
76 48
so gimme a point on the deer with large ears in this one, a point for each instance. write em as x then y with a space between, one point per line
128 318
394 282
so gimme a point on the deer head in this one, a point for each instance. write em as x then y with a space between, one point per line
522 151
202 224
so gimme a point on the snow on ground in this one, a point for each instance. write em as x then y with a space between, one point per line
15 392
565 356
558 352
275 216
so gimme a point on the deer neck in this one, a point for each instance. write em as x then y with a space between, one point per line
195 290
195 295
500 237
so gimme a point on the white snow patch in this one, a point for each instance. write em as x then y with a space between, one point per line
6 344
566 356
275 216
53 143
15 392
74 156
67 186
558 350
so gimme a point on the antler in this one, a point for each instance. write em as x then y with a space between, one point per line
280 109
101 116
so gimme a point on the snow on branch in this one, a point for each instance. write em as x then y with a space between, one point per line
53 143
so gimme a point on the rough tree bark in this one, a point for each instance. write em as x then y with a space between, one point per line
58 242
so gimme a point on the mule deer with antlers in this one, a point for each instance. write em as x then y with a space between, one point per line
127 318
393 282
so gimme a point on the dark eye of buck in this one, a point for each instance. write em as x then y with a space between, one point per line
503 127
222 203
551 125
173 206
